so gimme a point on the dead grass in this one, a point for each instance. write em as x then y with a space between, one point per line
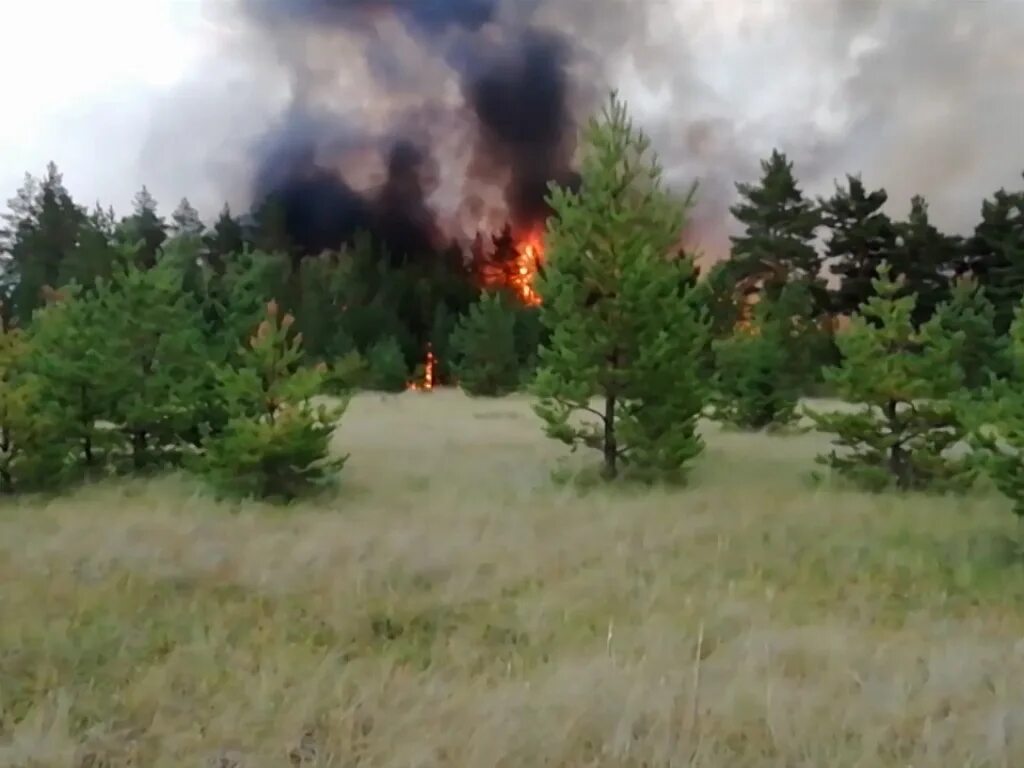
452 607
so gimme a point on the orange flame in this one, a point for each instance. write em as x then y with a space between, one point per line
429 366
519 273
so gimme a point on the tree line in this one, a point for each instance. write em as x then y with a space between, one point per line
134 344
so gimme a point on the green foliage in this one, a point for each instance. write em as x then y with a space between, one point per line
154 355
755 383
483 348
861 238
995 253
925 259
903 378
70 360
615 303
998 422
386 368
346 374
31 451
969 312
780 223
144 230
276 444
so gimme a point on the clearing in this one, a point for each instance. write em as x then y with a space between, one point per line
451 606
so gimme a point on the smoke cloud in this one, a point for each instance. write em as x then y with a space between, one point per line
427 120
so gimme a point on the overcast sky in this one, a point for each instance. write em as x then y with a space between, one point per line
926 97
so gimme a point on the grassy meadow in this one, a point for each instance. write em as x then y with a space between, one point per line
451 606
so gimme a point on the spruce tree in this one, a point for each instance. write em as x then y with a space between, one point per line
277 444
903 380
861 238
156 360
483 348
969 312
615 303
757 378
779 223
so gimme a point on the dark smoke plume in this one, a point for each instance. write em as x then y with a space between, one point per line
512 111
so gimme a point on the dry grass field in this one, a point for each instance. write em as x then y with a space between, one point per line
451 606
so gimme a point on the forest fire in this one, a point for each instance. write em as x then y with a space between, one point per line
514 266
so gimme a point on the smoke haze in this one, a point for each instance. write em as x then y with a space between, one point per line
428 119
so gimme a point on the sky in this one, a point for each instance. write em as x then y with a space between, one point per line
926 98
81 80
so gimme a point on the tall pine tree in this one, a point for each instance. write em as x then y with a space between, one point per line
861 238
780 224
615 301
995 254
925 259
144 230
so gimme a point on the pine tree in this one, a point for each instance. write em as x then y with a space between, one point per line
995 254
861 238
277 444
779 223
387 370
224 240
983 353
144 229
925 259
756 382
185 221
616 305
903 379
483 348
156 361
70 360
41 238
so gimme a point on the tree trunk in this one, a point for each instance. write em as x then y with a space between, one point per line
87 440
897 456
6 481
138 448
611 447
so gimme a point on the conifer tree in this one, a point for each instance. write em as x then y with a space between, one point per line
779 231
969 312
756 381
41 238
156 361
224 240
861 238
386 369
995 254
925 258
903 380
277 444
615 303
483 348
70 360
144 229
185 221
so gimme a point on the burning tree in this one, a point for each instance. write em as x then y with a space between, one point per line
616 303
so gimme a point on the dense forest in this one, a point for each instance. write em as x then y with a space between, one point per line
149 340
